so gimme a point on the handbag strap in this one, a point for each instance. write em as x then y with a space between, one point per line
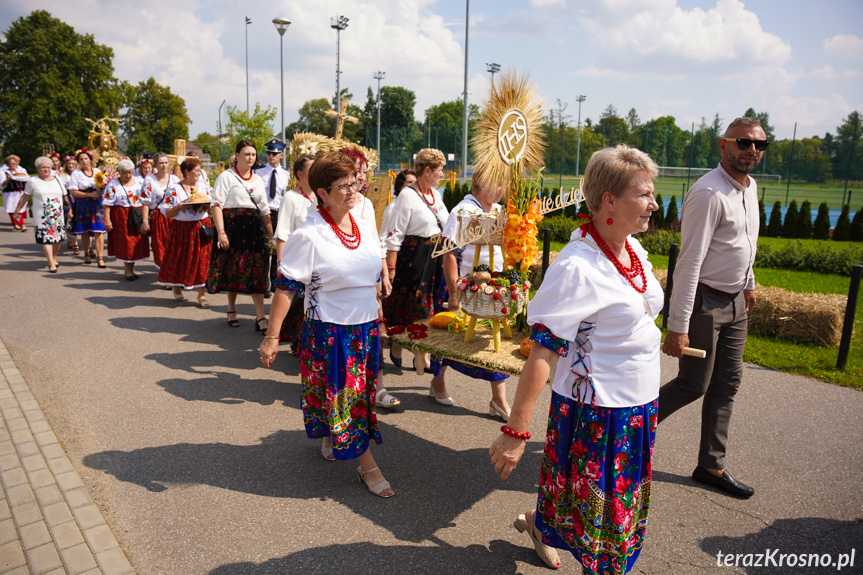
254 203
128 195
426 204
164 195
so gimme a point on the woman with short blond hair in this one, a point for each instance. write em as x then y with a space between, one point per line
47 192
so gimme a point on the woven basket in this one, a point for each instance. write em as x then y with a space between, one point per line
481 304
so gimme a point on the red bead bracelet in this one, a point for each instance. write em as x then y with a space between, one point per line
516 434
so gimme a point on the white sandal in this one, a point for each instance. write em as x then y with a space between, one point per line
548 554
327 452
376 489
385 400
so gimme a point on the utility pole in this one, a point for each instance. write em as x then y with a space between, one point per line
338 24
561 107
580 99
464 122
248 21
379 76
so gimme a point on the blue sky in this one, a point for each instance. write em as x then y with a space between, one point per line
800 61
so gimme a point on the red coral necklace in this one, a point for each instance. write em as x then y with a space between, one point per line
629 273
245 178
351 240
423 195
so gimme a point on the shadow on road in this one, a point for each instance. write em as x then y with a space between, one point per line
231 388
499 558
808 539
287 464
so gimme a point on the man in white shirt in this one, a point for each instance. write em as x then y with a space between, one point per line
713 295
276 181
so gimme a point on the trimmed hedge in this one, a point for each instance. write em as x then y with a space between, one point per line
795 255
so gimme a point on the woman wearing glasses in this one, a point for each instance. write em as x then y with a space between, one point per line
418 215
335 266
241 217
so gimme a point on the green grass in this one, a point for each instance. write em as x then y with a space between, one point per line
830 192
800 358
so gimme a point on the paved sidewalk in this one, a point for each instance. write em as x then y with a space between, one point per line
48 523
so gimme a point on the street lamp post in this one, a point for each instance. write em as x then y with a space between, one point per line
492 69
379 76
248 21
338 24
281 25
220 129
580 99
464 102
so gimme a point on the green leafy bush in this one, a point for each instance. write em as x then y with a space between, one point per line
561 227
774 228
821 257
789 227
821 228
804 220
842 231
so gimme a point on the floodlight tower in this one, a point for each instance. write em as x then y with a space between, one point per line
338 24
492 69
379 75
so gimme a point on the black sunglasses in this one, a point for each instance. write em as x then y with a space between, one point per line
744 143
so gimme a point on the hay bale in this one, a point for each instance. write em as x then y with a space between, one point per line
812 317
816 318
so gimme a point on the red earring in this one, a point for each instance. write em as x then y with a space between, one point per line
609 221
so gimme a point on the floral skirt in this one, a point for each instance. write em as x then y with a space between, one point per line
89 216
124 242
417 277
594 492
158 235
339 372
242 268
51 227
186 262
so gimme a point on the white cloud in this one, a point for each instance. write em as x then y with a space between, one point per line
199 51
594 72
664 35
825 73
546 3
813 114
845 45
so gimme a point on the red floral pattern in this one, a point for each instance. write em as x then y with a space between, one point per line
595 480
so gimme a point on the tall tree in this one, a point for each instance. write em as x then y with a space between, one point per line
612 128
666 142
256 127
208 143
632 119
154 118
53 78
313 119
810 161
848 148
762 117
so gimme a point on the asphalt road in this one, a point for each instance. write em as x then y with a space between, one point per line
198 459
